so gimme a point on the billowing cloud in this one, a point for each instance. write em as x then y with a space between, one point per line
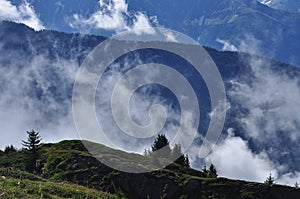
113 15
272 99
35 94
268 111
249 44
289 178
140 106
234 159
24 13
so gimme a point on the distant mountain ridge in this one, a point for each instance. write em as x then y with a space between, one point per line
290 5
267 30
273 33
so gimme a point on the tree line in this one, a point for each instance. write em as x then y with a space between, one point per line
162 147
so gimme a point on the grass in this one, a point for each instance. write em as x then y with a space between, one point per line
16 188
15 183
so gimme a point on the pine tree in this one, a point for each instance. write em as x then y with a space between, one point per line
205 171
296 185
10 149
161 146
146 152
270 180
212 173
33 141
32 144
179 157
187 161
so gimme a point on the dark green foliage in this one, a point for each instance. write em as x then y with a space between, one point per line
161 146
32 144
33 141
15 160
15 173
10 149
181 158
186 161
163 149
176 152
205 171
296 185
69 145
270 180
212 172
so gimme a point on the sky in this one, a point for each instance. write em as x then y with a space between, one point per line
104 17
233 155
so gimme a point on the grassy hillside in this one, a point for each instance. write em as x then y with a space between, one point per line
69 171
18 184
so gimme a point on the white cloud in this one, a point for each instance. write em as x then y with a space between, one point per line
8 11
289 178
272 99
34 95
110 17
113 15
140 106
277 4
234 159
227 46
250 45
169 36
266 2
24 13
142 25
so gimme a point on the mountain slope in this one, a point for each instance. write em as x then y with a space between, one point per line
246 24
290 5
38 71
69 161
18 184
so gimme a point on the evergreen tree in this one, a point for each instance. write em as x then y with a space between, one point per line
270 180
147 152
10 149
205 171
212 173
32 144
161 146
296 185
33 141
187 161
179 157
